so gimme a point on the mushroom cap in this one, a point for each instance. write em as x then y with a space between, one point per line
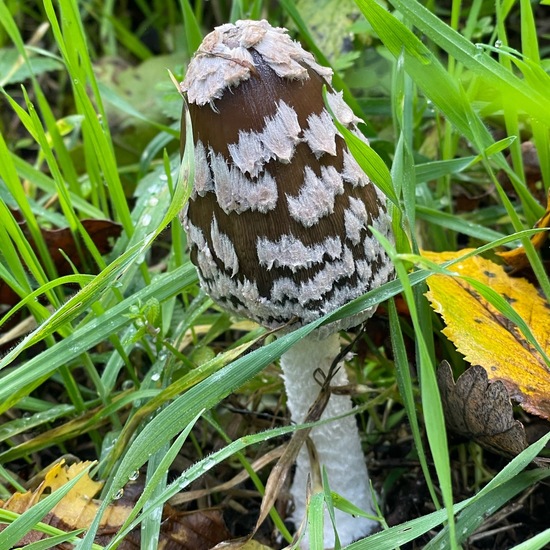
278 221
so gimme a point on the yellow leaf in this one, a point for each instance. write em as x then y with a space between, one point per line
486 337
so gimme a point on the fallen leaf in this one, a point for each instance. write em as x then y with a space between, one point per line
516 258
480 410
102 233
486 337
197 530
75 510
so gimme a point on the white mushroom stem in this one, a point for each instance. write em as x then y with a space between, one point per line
337 443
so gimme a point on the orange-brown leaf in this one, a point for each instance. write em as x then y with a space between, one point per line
517 258
485 337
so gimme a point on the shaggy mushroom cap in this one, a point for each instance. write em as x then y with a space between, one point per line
278 222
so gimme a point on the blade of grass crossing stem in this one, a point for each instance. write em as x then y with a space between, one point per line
275 517
316 520
178 485
431 402
405 385
368 159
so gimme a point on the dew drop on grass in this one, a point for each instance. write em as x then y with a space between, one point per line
119 494
146 220
127 384
498 44
163 177
153 201
155 377
134 475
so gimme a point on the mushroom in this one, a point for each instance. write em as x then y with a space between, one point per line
278 224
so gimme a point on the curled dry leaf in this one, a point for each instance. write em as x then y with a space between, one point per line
480 410
486 337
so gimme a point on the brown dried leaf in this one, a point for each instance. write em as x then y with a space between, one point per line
102 232
197 530
480 410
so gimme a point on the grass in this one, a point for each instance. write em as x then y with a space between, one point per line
125 361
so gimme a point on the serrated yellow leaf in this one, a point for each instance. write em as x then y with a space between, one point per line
486 337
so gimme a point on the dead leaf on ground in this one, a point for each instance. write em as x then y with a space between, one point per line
102 233
480 410
516 258
486 337
197 530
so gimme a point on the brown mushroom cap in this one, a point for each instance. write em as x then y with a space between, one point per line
278 221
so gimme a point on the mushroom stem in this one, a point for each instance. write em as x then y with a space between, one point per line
337 443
